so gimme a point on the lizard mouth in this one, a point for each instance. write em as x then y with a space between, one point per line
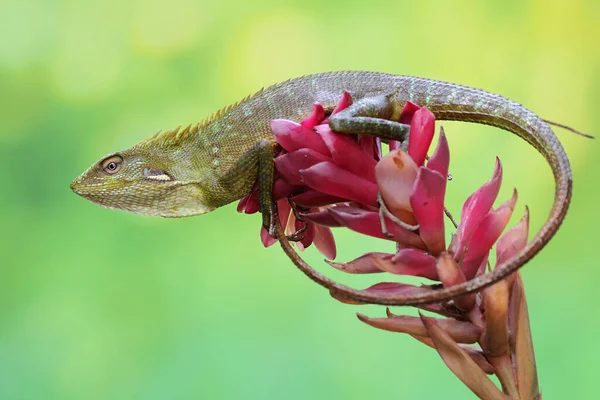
76 186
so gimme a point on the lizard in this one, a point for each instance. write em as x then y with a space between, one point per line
193 170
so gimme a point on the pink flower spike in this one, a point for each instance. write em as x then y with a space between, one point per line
407 112
328 178
325 242
440 161
411 262
347 153
422 128
367 223
364 264
289 164
396 174
293 136
486 234
476 208
427 201
513 241
345 102
315 118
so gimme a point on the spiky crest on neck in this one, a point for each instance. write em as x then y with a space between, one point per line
179 134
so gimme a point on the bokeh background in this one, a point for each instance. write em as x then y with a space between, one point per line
98 304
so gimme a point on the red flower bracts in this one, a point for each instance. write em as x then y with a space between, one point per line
340 180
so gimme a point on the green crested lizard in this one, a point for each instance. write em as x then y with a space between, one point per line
194 170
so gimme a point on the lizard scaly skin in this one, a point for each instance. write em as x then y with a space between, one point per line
197 169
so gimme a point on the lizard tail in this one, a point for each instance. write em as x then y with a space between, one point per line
490 109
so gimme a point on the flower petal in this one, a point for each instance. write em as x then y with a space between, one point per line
281 189
513 241
459 331
521 343
440 160
495 339
461 363
395 288
325 242
251 203
408 111
450 274
364 264
427 202
344 102
241 207
328 178
385 289
312 198
475 354
396 174
323 218
289 164
370 145
265 238
293 136
315 118
422 128
406 115
309 235
495 302
347 153
486 234
411 262
367 223
476 208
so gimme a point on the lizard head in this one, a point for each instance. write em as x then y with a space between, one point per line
143 180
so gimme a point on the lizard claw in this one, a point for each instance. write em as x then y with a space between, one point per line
298 235
292 237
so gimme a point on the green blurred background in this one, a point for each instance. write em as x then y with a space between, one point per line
98 304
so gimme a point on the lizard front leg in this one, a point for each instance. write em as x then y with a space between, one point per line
266 177
256 165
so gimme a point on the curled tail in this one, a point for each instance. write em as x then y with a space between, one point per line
459 103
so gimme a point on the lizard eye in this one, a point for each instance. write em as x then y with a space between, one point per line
112 164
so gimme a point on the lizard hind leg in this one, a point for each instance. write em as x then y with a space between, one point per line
370 116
